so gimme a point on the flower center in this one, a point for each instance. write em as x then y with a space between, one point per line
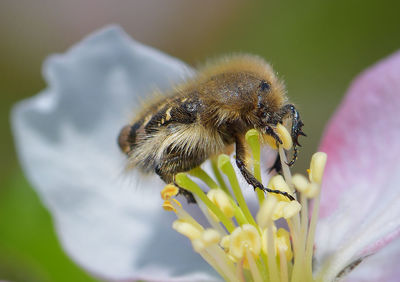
239 246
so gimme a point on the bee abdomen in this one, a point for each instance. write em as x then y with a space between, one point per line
127 137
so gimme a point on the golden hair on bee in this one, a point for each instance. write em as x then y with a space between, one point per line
207 114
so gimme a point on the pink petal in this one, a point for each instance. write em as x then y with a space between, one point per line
361 130
360 208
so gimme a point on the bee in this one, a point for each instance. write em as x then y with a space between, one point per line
207 114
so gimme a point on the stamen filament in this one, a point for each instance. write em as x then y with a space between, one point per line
218 175
262 264
239 247
182 214
253 267
225 273
300 246
239 215
272 266
209 218
202 175
226 167
239 271
311 234
283 266
184 181
240 218
221 260
285 169
253 139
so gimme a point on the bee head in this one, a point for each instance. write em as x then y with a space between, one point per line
270 99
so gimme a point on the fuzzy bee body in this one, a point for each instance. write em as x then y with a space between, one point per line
207 114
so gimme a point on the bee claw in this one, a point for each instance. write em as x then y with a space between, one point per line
291 163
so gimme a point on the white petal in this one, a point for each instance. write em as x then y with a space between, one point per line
360 196
382 266
66 140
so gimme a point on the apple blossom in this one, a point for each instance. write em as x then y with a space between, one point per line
66 142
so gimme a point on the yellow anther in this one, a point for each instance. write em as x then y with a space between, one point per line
225 242
242 238
277 182
187 229
291 209
169 191
317 166
284 134
279 208
208 237
286 209
268 139
282 243
313 190
300 182
211 236
198 245
168 206
265 214
222 201
177 202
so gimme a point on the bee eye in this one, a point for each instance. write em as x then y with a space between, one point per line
265 86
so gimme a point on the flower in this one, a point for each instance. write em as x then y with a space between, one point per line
65 138
252 249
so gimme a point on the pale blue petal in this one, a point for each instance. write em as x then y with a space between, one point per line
66 141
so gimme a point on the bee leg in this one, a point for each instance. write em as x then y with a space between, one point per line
277 164
248 176
161 171
296 130
270 131
188 195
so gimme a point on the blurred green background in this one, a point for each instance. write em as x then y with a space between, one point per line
318 47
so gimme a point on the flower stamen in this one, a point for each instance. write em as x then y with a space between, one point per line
239 247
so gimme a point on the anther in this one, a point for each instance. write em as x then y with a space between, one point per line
168 206
169 191
317 166
187 229
291 209
222 201
279 186
300 182
244 237
284 134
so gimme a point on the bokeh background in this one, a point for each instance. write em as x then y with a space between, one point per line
318 47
